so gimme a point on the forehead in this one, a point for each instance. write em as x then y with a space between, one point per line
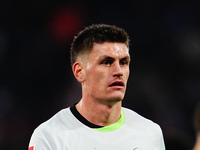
110 49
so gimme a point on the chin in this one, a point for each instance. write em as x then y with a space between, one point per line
117 96
115 99
112 99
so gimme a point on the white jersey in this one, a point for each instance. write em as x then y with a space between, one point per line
65 132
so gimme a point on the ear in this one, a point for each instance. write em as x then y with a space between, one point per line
78 71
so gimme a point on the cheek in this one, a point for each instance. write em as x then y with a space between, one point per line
98 78
126 73
94 76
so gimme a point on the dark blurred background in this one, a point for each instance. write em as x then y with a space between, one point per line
36 80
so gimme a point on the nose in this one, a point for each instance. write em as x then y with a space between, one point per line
117 70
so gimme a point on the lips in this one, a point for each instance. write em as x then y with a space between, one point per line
117 84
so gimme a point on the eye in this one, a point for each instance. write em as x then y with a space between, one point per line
124 62
106 62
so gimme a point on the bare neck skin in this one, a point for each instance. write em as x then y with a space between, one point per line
99 114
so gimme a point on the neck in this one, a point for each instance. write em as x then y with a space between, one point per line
98 113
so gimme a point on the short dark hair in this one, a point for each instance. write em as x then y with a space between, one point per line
96 33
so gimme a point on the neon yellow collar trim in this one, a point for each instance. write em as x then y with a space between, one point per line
114 126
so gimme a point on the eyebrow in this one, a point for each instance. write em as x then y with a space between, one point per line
111 58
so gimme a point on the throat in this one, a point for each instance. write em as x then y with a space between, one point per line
82 119
100 115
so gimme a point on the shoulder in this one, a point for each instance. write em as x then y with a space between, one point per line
132 115
45 134
143 128
55 124
136 120
60 120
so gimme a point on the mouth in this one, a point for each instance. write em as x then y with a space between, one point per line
117 84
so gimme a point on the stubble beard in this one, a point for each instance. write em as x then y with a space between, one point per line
110 101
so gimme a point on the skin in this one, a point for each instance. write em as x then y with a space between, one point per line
103 74
197 144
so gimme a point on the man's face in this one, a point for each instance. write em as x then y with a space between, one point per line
106 72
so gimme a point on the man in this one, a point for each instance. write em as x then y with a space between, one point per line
197 127
100 62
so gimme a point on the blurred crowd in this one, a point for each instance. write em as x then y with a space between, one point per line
36 79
